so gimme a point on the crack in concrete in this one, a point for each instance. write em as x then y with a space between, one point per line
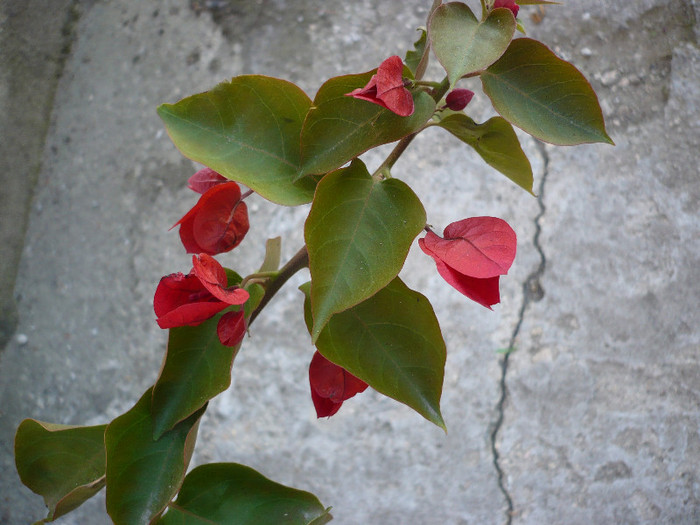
532 291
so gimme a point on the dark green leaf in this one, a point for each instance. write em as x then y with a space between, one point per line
196 368
248 130
233 494
392 341
413 56
143 474
465 45
544 95
339 128
496 142
358 234
64 464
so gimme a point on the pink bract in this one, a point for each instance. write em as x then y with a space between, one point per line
472 256
386 88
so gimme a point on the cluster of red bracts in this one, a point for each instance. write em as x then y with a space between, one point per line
216 224
188 300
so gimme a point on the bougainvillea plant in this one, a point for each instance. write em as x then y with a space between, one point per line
268 135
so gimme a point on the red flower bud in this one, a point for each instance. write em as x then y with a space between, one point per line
386 88
473 255
508 4
331 385
457 99
217 223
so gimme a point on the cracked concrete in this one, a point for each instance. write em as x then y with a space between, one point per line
532 292
592 419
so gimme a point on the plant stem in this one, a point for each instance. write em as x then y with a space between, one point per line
398 150
297 262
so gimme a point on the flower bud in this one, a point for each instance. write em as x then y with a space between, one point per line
458 99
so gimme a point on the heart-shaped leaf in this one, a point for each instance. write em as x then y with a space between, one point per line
496 142
64 464
358 234
233 494
196 368
247 130
544 95
144 474
465 45
392 341
338 128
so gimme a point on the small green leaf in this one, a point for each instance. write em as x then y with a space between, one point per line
196 368
247 130
233 494
544 95
273 254
339 128
413 56
144 474
463 44
496 142
392 341
358 234
64 464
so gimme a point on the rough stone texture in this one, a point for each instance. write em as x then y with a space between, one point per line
600 421
31 59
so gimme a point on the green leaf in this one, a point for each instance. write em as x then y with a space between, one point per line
196 368
273 255
413 56
392 341
339 128
248 130
64 464
544 95
496 142
233 494
463 44
144 474
358 234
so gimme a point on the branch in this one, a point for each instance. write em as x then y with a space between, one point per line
297 262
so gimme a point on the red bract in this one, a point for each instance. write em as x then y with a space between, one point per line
182 300
458 99
472 256
387 89
204 180
508 4
213 278
331 385
231 328
188 300
217 223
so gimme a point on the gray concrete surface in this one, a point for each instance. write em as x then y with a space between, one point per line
593 419
32 53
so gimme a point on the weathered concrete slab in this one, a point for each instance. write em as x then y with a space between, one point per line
32 51
600 419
